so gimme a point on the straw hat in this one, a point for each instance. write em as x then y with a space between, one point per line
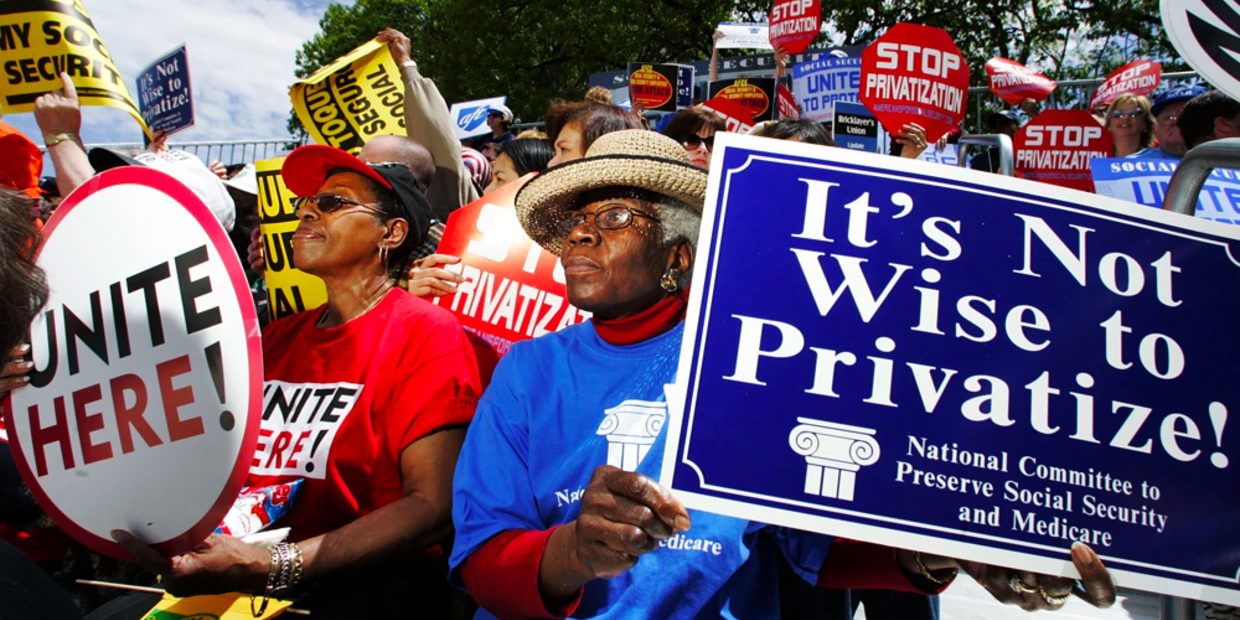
628 158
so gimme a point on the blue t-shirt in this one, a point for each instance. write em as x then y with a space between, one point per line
1154 152
560 406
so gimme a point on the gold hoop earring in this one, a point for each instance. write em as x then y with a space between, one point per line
670 280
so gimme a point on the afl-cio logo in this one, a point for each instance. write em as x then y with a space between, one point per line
1200 31
649 88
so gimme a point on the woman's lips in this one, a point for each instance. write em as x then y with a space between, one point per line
579 265
303 234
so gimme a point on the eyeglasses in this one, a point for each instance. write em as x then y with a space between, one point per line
1169 118
330 203
692 141
1128 113
614 217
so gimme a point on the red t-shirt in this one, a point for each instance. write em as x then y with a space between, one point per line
341 403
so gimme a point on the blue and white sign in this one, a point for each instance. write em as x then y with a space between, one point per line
165 98
818 84
856 128
962 363
949 156
743 36
469 118
1145 181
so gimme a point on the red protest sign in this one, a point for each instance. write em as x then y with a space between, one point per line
753 94
1056 146
735 117
1139 77
915 74
1013 82
788 107
513 289
794 24
143 407
649 88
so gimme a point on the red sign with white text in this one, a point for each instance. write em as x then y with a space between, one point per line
1139 77
736 118
788 107
1056 146
513 290
1013 82
915 74
794 24
143 406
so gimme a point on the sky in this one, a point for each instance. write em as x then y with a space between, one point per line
240 58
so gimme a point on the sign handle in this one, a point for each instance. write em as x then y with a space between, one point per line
1191 174
1176 608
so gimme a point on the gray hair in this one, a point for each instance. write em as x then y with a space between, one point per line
680 222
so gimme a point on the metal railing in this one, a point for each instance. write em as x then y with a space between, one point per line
1192 171
1002 141
225 151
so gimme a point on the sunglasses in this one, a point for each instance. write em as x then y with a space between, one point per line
330 203
692 141
1129 113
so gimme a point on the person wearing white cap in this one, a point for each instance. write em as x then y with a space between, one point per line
555 505
499 119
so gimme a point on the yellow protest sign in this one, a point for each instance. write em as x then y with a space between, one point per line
41 38
289 289
232 606
357 97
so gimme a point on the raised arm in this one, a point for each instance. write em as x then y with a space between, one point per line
59 116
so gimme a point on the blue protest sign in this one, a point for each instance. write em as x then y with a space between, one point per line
684 86
961 363
1145 181
165 98
856 128
469 118
818 84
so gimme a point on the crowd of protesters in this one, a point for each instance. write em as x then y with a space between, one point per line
440 495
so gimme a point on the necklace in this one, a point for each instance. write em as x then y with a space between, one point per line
378 298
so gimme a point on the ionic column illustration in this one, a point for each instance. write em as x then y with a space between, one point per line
631 427
833 454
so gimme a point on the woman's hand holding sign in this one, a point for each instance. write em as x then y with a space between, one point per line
1031 591
218 564
623 516
16 369
427 280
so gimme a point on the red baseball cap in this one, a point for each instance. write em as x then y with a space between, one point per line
21 162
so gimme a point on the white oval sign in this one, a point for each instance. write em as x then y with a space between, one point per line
1201 32
143 408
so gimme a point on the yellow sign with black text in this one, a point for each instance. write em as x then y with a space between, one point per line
289 289
41 38
357 97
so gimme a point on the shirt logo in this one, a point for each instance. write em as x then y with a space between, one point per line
300 422
630 428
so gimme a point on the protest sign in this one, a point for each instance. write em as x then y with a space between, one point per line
961 363
513 289
818 84
915 74
855 128
1139 77
786 103
1204 33
757 95
794 24
469 118
164 94
1056 146
743 36
143 404
735 116
289 289
1145 182
949 156
38 40
359 96
660 87
1013 82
